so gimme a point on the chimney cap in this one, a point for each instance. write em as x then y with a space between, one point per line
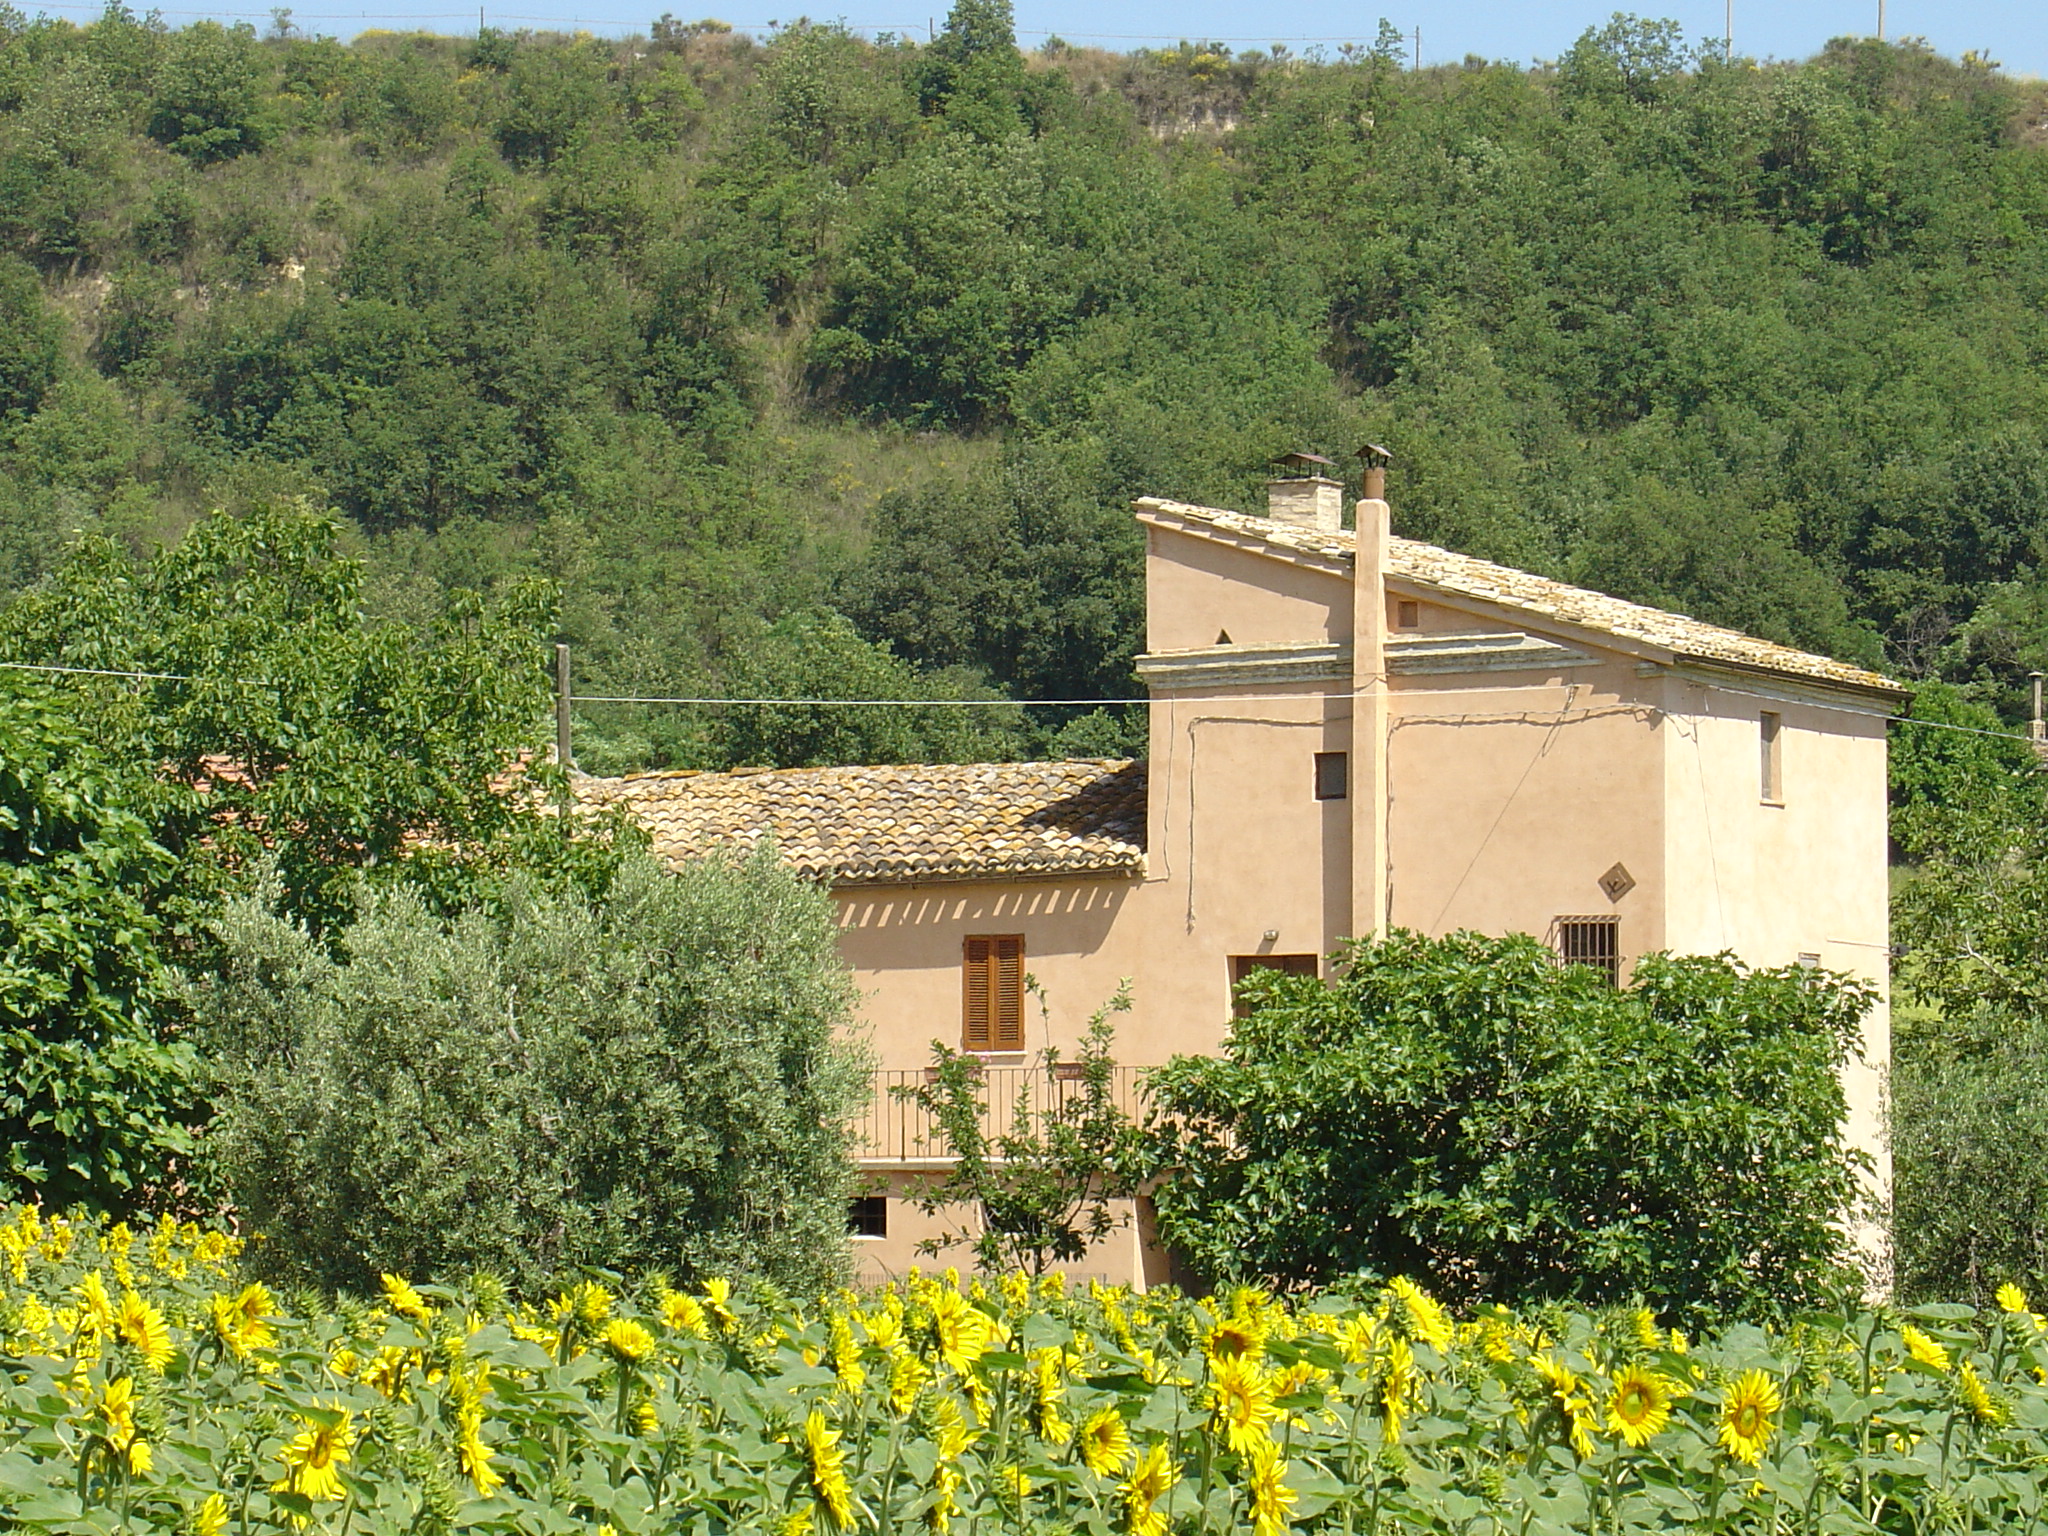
1375 456
1305 462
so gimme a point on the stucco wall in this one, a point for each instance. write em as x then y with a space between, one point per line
1195 589
1510 802
1807 875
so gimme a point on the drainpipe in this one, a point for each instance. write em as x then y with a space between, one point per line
1368 787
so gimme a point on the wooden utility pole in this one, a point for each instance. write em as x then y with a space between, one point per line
562 753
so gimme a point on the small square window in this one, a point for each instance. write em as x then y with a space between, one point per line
1333 775
1407 614
1242 966
867 1216
1594 942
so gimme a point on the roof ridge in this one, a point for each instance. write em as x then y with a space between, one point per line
1471 576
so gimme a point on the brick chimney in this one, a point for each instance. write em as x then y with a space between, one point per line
1303 495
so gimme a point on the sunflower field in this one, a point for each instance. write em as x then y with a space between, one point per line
151 1386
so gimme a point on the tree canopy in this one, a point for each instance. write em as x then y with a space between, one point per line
734 338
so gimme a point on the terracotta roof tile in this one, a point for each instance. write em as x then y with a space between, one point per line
1463 576
926 822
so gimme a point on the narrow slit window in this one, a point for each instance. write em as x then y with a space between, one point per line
1594 942
1333 775
993 993
867 1216
1770 737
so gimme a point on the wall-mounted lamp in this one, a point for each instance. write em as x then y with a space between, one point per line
1272 935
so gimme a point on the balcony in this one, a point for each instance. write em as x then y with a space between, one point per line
897 1130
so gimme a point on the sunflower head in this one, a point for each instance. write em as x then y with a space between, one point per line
1104 1442
1639 1406
1746 1410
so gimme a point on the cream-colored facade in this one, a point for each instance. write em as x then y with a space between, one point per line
1517 756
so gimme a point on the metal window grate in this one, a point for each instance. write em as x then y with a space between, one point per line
1593 942
867 1216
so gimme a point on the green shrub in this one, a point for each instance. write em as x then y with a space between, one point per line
92 1095
1467 1108
647 1080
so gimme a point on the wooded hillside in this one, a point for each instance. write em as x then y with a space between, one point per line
821 366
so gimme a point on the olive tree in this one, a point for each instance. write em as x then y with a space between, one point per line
652 1078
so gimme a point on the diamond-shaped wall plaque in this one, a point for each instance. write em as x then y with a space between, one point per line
1617 882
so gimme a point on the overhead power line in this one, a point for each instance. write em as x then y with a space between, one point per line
761 703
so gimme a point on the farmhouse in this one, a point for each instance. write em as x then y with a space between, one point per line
1349 731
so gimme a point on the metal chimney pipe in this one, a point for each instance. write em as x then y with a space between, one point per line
1376 461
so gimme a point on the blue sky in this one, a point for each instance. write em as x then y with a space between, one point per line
2013 33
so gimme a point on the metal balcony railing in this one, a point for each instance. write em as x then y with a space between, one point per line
896 1130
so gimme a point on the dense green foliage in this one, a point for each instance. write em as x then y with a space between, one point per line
94 1095
1467 1108
650 1080
283 722
1969 1093
729 335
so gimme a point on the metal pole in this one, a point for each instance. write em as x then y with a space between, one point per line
1728 36
562 754
2039 731
1880 20
1418 50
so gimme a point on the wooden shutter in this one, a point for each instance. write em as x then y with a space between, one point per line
976 1036
1009 993
992 993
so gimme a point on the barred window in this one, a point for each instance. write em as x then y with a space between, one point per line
1591 941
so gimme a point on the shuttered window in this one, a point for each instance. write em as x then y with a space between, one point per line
994 993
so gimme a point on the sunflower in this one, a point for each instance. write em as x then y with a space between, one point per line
144 1327
1427 1320
1648 1334
212 1518
962 1330
311 1456
1399 1389
403 1300
1234 1337
2011 1298
1104 1443
117 1406
907 1376
1976 1397
96 1308
685 1314
626 1341
1049 1396
951 1436
845 1354
241 1322
1924 1349
1569 1393
472 1455
1270 1497
1746 1410
718 1298
1241 1396
945 1499
828 1469
1150 1481
1640 1406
